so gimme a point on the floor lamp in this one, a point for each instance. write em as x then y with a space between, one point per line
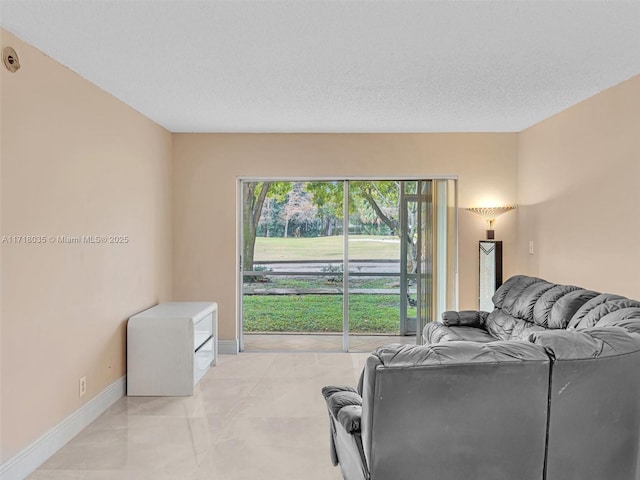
490 258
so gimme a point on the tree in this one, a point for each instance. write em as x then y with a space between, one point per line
254 195
380 198
384 199
299 207
270 224
327 197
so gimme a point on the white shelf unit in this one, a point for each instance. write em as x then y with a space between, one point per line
170 347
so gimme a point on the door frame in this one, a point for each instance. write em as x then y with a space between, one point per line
346 179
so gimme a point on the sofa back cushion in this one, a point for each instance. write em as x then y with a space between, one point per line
557 306
509 293
450 410
507 327
513 315
528 304
627 318
604 305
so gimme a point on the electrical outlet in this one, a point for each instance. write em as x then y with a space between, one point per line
83 385
530 247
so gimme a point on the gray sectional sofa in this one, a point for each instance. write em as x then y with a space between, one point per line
547 386
524 305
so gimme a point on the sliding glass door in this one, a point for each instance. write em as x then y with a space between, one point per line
344 264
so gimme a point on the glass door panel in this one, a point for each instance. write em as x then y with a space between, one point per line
409 257
380 260
292 293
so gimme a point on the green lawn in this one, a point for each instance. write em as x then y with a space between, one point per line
321 313
276 281
368 313
361 247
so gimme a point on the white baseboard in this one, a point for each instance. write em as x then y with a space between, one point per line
30 458
228 347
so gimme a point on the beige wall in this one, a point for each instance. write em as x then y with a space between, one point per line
206 168
579 193
74 161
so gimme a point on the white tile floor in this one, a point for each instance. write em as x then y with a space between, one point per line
253 416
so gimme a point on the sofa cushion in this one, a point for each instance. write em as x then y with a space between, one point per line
507 327
522 329
500 324
589 343
464 318
566 305
528 304
592 313
627 318
454 353
472 334
435 332
524 305
509 292
590 305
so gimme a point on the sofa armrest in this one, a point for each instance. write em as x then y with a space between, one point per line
346 449
465 318
349 417
345 405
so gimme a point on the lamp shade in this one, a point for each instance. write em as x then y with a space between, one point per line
489 214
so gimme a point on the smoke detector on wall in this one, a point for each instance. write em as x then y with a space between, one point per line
10 59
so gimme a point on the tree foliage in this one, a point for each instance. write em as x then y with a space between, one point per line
298 207
317 209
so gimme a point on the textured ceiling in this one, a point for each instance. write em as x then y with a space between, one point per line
339 66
